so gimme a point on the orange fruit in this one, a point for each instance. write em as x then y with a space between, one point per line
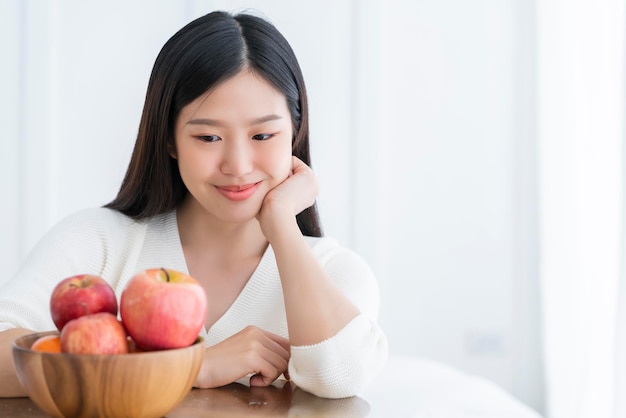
47 343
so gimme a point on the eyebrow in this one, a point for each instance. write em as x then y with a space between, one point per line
214 122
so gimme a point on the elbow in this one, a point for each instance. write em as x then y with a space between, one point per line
336 387
344 377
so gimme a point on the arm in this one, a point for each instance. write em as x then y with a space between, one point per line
10 387
315 307
331 298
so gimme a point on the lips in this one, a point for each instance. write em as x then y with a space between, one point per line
238 188
238 192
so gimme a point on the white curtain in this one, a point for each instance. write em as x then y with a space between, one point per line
581 79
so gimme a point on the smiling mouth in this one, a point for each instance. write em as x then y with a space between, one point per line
239 192
237 188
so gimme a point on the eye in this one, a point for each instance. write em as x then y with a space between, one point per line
262 137
208 138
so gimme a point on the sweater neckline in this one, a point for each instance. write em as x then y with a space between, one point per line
254 285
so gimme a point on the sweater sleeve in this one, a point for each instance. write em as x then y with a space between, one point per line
344 364
82 243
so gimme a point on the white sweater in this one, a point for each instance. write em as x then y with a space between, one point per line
109 244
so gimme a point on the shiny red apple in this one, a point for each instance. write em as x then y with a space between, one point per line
100 333
163 309
79 295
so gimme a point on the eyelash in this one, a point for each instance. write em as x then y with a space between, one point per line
214 138
206 138
265 137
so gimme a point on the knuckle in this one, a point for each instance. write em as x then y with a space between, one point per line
252 358
251 330
255 346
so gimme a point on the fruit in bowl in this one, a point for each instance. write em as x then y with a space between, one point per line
98 365
79 295
100 333
141 384
163 308
159 309
49 343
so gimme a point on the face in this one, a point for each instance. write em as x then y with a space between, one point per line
233 145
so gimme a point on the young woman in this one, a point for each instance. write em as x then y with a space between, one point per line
220 186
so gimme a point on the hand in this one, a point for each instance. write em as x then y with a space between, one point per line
296 193
252 351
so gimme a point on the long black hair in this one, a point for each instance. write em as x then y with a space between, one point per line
204 53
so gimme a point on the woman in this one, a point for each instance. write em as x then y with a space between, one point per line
219 186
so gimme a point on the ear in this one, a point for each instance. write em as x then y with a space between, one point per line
171 150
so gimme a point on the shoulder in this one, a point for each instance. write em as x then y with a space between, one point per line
338 259
96 216
98 241
349 271
92 228
327 249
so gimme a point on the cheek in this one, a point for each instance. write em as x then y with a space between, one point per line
194 165
283 164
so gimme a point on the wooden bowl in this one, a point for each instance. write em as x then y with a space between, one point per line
144 384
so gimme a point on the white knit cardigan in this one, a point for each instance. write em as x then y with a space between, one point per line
109 244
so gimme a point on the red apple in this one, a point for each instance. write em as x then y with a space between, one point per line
79 295
163 309
100 333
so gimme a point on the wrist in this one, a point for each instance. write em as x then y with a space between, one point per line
276 219
280 226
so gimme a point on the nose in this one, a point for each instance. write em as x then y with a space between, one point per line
237 159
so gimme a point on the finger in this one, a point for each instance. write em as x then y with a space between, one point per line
297 163
269 340
283 342
258 380
261 350
267 374
266 371
266 356
277 349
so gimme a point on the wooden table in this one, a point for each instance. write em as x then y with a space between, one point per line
282 399
407 387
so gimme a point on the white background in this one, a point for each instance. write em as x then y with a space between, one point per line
423 138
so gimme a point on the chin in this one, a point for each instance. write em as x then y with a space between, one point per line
239 215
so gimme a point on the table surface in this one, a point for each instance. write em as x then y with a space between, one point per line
235 400
407 387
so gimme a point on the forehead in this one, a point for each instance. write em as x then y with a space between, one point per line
245 95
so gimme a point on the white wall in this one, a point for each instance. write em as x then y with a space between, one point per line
422 136
10 103
460 258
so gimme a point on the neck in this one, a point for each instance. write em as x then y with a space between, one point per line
199 230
